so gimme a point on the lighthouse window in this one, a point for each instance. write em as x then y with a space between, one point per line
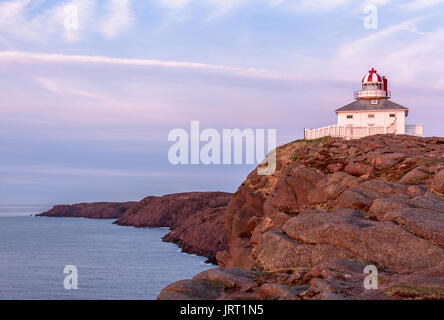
349 116
371 115
392 115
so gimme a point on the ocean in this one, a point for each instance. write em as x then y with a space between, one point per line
111 262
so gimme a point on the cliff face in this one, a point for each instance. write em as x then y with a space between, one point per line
95 210
196 220
331 208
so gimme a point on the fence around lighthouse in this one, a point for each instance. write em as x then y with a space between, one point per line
351 132
346 132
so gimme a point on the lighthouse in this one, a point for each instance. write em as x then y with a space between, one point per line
371 113
373 87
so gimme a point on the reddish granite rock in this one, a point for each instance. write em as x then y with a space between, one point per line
385 244
196 220
422 216
189 290
384 161
202 234
415 176
358 169
276 291
267 224
424 284
239 254
171 210
240 279
94 210
362 196
333 207
331 187
276 251
302 181
438 182
216 284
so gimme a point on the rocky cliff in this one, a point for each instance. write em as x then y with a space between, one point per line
331 208
196 220
95 210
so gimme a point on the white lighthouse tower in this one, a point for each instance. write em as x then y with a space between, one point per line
371 113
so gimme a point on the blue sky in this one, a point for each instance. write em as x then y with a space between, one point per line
85 113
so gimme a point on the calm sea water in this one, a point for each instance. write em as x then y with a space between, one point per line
113 262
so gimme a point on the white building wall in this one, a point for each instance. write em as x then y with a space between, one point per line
414 130
380 119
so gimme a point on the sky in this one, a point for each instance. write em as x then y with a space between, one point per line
87 103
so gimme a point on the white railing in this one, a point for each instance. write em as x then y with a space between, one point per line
347 132
373 94
414 130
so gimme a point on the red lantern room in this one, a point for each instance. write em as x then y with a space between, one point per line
373 87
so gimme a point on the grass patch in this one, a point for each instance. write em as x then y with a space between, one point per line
319 140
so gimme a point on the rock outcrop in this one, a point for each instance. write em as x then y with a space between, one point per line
331 208
337 279
94 210
196 220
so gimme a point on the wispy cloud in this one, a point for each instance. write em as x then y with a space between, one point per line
119 18
417 62
79 90
18 18
421 4
404 58
40 21
66 91
29 57
33 20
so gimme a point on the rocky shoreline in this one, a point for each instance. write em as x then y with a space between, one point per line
93 210
195 219
332 208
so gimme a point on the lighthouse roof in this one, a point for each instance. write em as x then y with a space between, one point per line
367 105
372 77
